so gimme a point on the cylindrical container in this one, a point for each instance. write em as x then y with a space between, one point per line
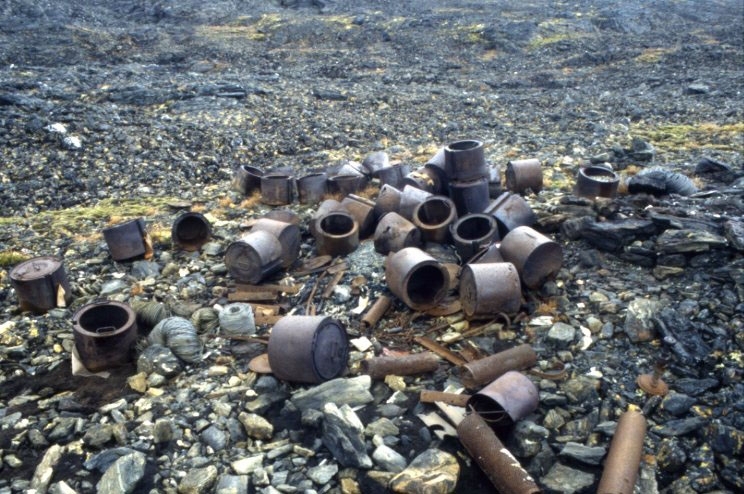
376 161
511 211
105 334
312 187
433 217
337 234
410 198
524 174
393 175
501 467
487 254
375 313
624 457
506 400
394 233
472 232
285 216
535 256
126 240
277 189
436 166
596 181
469 196
424 179
490 289
363 212
247 179
325 207
416 278
41 284
346 184
287 234
254 257
350 168
485 370
190 231
388 200
465 161
308 349
408 365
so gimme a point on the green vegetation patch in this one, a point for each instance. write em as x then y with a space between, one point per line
723 137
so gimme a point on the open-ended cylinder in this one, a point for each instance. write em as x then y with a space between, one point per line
394 232
508 399
482 371
253 257
416 278
105 334
535 256
247 179
465 160
190 231
472 232
409 365
312 187
337 234
127 240
277 189
363 212
433 218
511 211
524 174
489 289
287 234
41 284
624 457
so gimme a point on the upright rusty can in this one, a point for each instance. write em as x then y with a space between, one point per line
416 278
277 189
465 160
105 333
411 197
489 289
524 174
469 196
624 458
473 232
511 211
126 240
436 165
247 179
41 284
337 234
424 179
254 256
312 187
393 175
190 231
287 234
433 217
388 200
346 184
506 400
596 181
535 256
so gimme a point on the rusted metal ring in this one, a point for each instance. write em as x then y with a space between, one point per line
337 234
393 175
469 196
535 256
190 231
346 184
388 200
472 232
416 278
37 283
596 181
506 400
524 174
105 333
254 256
363 212
465 160
126 240
312 187
433 217
409 199
277 189
436 166
394 233
424 179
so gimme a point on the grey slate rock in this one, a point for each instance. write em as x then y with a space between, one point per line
341 391
591 455
123 475
198 480
389 459
343 435
566 480
232 484
159 359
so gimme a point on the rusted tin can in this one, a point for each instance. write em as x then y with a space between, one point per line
337 234
312 187
501 467
596 181
277 189
190 231
407 365
394 233
436 166
433 217
350 167
411 197
424 179
524 174
485 370
469 196
308 349
285 216
511 211
465 161
105 334
416 278
363 212
473 232
346 184
489 289
624 457
325 207
126 240
41 284
535 256
393 175
506 400
287 234
487 254
375 161
254 257
247 179
388 200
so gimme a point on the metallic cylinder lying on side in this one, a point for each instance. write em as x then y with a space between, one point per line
247 179
190 231
411 197
416 278
394 232
511 211
253 257
287 234
424 179
624 457
393 175
535 256
473 232
489 289
363 212
41 284
409 365
312 187
524 174
508 399
375 313
388 200
485 370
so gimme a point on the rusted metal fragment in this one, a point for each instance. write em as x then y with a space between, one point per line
409 365
443 352
455 399
375 313
485 370
624 456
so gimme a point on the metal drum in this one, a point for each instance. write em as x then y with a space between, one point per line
41 284
105 334
254 257
190 231
126 240
506 400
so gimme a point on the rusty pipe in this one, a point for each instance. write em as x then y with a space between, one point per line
524 174
346 184
325 207
535 256
465 160
337 234
394 233
277 189
253 257
375 313
511 211
411 197
409 365
469 196
363 212
489 289
39 282
436 166
433 217
388 200
424 179
246 179
481 371
624 456
508 399
375 161
501 467
393 175
416 278
190 231
287 234
312 187
472 232
487 254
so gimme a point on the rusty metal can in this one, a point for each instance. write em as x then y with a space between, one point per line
393 175
489 289
469 196
394 232
253 257
312 187
388 200
433 217
105 334
247 179
535 256
436 166
337 234
487 254
277 189
375 161
482 371
190 231
325 207
524 174
473 232
465 160
346 184
126 240
511 211
308 349
506 400
424 179
41 284
287 234
416 278
624 457
363 212
411 197
596 181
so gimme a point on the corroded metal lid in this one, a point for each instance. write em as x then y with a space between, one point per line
36 268
330 350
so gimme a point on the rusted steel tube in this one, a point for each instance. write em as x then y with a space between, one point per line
596 181
485 370
325 207
535 256
126 240
287 234
436 166
424 179
253 257
375 313
416 278
105 334
246 179
409 199
434 217
458 400
337 234
469 196
490 289
465 160
346 184
393 175
363 212
312 187
511 211
501 467
508 399
472 232
41 284
409 365
624 457
394 232
388 200
524 174
277 189
190 231
376 161
285 216
308 349
487 254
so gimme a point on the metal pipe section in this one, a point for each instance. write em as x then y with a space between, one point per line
409 199
409 365
505 401
624 457
326 207
287 234
312 187
424 179
465 160
416 278
375 313
472 232
485 370
436 166
433 217
346 184
388 200
277 189
487 254
253 257
126 240
524 174
596 181
105 334
511 211
41 284
337 234
363 212
535 256
393 175
501 467
469 196
247 179
394 233
190 231
489 289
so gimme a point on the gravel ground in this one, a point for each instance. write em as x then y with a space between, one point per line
116 110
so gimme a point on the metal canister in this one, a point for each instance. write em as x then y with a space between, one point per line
105 334
346 184
325 207
411 197
416 278
596 181
254 256
41 284
394 233
287 234
535 256
485 370
308 349
190 231
393 175
489 289
465 160
388 200
337 234
433 217
277 189
469 196
126 240
363 212
624 457
247 179
506 400
487 254
436 166
312 187
424 179
524 174
473 232
375 161
511 211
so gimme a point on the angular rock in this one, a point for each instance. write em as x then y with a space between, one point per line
527 439
677 404
159 359
734 231
322 474
381 427
245 466
343 435
565 480
232 484
639 325
591 455
198 480
686 241
431 472
561 335
680 427
389 459
97 435
124 474
214 437
614 235
341 391
256 426
45 468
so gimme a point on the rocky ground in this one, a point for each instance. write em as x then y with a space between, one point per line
117 110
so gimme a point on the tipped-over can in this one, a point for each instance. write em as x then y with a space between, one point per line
416 278
535 256
624 457
506 400
190 231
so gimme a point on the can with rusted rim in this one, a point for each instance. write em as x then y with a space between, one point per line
472 232
394 232
433 217
127 240
190 231
535 256
253 257
105 334
247 179
465 160
506 400
287 234
41 284
524 174
511 211
416 278
277 189
596 181
337 234
469 196
312 187
489 289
